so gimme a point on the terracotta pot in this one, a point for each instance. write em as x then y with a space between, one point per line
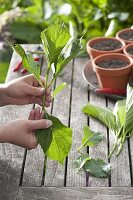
124 34
109 48
114 78
128 50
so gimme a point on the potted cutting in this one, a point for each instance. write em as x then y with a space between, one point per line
113 70
103 45
125 35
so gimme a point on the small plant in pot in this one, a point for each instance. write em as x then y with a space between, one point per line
103 45
113 70
125 35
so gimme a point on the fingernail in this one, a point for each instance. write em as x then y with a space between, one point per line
48 123
43 91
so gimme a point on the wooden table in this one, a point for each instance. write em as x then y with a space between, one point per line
21 171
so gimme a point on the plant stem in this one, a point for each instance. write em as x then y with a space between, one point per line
43 108
84 144
121 145
37 52
51 82
114 146
117 137
43 101
120 148
79 148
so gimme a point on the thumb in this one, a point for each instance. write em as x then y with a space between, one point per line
36 91
39 124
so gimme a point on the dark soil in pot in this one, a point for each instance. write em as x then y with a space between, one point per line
127 35
130 50
107 45
113 63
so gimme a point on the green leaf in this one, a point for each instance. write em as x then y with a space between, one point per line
67 54
105 115
98 168
44 138
25 31
80 161
91 138
18 49
128 126
120 112
112 29
58 89
54 38
57 140
28 61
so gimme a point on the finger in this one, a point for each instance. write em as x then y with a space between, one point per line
39 124
31 115
42 80
35 82
47 104
30 80
38 101
37 113
35 91
41 115
48 91
48 99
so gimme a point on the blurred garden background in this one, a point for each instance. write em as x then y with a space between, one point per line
21 21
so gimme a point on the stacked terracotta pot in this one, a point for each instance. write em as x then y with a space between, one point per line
112 59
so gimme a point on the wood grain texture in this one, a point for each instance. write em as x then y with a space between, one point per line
77 121
131 158
11 156
55 172
33 170
100 150
61 193
67 107
120 173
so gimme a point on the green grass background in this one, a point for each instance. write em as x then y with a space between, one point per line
5 57
3 71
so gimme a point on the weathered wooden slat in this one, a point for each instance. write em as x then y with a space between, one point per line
11 156
100 150
61 193
120 173
131 158
35 159
77 121
55 172
33 170
67 107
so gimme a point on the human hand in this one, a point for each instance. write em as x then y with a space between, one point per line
22 132
26 90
